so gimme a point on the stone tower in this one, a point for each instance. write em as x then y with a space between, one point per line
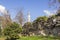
28 19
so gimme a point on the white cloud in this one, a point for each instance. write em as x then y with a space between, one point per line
3 9
48 13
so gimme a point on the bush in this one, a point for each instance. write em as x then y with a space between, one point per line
12 31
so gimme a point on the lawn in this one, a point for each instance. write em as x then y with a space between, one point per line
35 38
39 38
2 38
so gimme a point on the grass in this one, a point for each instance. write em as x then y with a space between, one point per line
35 38
39 38
2 38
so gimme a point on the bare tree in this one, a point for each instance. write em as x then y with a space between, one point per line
55 3
7 19
20 17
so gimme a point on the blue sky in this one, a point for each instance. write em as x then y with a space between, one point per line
35 7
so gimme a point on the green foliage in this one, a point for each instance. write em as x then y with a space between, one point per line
39 20
27 25
27 28
39 38
44 18
12 31
53 16
0 31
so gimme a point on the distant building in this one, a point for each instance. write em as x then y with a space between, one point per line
28 19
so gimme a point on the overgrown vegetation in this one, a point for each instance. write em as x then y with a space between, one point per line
48 27
12 31
44 26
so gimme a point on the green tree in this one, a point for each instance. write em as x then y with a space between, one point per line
12 31
39 20
27 28
38 24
